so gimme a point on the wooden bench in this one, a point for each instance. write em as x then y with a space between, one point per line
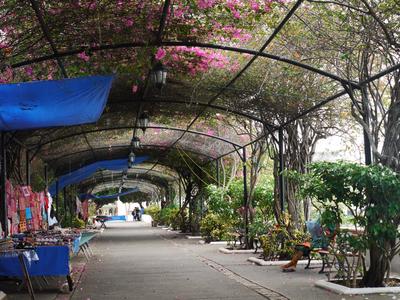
256 244
237 236
324 257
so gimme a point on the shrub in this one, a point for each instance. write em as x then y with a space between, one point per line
371 194
279 243
76 223
154 212
214 228
169 216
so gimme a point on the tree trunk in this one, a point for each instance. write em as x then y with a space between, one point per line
277 204
375 275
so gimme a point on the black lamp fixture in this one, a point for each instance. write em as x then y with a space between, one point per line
159 75
143 121
135 142
131 159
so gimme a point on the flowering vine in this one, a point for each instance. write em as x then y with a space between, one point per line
84 24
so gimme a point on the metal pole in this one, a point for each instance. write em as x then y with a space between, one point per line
3 206
281 169
56 199
217 166
180 193
65 202
71 209
245 199
28 168
46 177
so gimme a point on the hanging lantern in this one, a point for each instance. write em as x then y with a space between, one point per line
143 121
135 142
159 75
131 159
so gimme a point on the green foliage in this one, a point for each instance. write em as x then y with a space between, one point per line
280 240
235 192
76 223
169 216
372 195
260 224
263 199
214 228
154 212
224 206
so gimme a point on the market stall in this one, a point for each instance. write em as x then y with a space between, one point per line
27 246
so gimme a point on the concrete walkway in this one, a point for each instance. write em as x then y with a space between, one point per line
137 262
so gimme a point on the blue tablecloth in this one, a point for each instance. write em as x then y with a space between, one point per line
76 244
118 218
53 261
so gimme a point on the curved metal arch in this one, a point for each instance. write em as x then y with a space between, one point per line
147 181
147 185
119 176
141 176
121 147
133 127
145 169
212 106
60 54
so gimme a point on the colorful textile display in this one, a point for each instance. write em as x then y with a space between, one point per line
26 210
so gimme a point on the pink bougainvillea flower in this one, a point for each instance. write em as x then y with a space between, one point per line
29 71
219 116
160 54
210 132
204 4
128 22
83 56
134 88
254 6
236 14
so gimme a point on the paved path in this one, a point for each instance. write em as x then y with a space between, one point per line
137 262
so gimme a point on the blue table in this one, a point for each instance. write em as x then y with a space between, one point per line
53 261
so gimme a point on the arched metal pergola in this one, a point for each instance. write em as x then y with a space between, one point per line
38 142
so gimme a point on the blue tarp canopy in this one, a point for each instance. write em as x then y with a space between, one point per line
40 104
113 196
88 170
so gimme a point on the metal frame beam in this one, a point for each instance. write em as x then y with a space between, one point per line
281 169
3 194
240 73
187 44
212 106
245 199
138 168
108 180
122 147
133 127
47 35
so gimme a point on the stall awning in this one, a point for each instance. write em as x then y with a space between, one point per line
41 104
88 170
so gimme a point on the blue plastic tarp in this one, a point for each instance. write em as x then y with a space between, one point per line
113 196
40 104
53 261
88 170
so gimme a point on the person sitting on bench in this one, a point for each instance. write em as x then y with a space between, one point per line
319 239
